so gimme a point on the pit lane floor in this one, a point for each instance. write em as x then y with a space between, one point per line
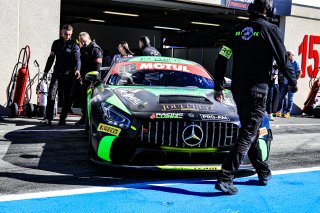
41 159
287 192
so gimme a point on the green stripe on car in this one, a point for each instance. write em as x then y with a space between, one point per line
263 146
89 94
105 147
114 100
195 150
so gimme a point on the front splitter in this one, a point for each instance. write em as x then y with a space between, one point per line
172 167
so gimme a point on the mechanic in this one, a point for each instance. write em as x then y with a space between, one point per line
91 60
66 54
147 49
253 45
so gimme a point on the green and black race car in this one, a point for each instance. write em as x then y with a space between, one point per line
160 113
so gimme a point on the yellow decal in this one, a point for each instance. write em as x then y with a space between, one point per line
263 131
226 52
133 128
109 129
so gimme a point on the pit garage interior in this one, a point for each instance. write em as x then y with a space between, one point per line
181 29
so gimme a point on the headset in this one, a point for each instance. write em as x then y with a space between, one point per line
271 9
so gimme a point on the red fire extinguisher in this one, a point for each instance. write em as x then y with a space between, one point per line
18 83
20 87
308 104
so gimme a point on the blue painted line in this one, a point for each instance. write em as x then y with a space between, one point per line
298 192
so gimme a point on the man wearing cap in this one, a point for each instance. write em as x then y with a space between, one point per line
286 108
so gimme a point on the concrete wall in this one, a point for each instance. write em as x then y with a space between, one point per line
26 22
304 21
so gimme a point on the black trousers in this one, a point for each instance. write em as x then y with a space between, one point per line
64 84
251 107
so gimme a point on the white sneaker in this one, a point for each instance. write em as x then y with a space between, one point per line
270 117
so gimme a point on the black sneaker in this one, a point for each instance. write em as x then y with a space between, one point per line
62 123
264 177
81 122
226 187
46 122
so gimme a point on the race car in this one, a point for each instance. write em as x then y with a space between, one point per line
160 113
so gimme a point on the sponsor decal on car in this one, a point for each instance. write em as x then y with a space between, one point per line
109 129
160 59
166 116
129 95
263 131
214 117
164 66
229 102
187 107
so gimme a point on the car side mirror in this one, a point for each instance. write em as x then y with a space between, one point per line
92 76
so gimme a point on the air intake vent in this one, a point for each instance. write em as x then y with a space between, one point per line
183 99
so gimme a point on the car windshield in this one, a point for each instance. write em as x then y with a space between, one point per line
160 78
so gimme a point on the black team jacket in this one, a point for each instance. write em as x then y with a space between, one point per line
253 44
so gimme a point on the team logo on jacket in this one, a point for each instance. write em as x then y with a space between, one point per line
247 33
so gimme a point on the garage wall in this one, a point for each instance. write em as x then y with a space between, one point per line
25 22
108 37
304 21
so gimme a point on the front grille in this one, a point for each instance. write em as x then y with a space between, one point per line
169 133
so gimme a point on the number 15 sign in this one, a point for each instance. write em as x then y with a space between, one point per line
313 54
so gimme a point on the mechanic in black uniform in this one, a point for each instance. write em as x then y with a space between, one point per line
91 60
67 54
147 49
253 45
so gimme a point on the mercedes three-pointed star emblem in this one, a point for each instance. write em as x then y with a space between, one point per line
192 135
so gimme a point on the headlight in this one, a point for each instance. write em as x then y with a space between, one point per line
112 116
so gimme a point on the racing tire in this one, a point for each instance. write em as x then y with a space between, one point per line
29 110
317 112
14 109
309 110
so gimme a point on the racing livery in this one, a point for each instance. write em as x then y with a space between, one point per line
159 112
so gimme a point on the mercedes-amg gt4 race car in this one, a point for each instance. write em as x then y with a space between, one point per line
160 113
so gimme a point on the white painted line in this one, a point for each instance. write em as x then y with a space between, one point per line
59 193
108 189
280 125
299 170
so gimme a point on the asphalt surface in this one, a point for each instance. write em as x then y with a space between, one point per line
36 159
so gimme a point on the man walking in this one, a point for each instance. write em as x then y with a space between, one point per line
253 44
66 54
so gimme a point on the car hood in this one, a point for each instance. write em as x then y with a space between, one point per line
146 100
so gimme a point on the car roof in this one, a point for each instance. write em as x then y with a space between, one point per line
158 59
159 63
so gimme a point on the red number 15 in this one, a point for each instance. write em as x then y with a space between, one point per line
311 54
